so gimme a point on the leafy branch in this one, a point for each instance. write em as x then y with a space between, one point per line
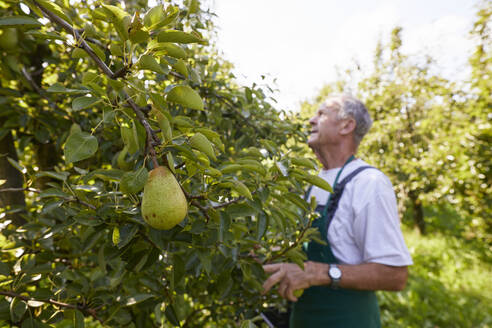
68 199
292 246
87 48
90 311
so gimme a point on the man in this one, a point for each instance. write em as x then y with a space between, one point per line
365 249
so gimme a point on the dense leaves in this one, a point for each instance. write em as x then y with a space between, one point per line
91 101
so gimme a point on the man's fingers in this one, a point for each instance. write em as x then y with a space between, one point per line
274 278
289 294
271 268
282 288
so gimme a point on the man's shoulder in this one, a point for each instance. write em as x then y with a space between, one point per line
370 177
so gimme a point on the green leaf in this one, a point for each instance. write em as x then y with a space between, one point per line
80 146
261 225
178 37
59 88
54 8
138 36
201 143
137 298
4 269
317 181
103 174
171 315
155 17
166 130
84 102
180 67
89 77
30 322
53 192
185 96
158 100
303 162
16 164
87 218
148 62
229 168
126 234
178 269
78 53
98 51
242 189
20 21
296 200
115 237
169 49
238 210
44 35
248 324
133 182
78 319
17 309
119 18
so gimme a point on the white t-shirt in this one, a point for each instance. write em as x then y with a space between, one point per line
366 226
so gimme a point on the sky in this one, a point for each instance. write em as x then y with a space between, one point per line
300 44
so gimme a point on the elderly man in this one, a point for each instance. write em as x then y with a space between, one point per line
365 250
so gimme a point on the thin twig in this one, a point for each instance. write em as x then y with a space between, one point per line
202 209
228 203
190 196
295 244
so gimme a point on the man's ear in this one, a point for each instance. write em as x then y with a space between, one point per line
348 126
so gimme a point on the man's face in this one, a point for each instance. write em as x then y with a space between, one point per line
325 125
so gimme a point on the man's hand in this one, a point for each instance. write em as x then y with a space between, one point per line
290 278
365 276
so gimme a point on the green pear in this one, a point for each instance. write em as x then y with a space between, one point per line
8 39
164 204
298 292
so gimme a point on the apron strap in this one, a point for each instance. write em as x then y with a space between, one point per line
337 195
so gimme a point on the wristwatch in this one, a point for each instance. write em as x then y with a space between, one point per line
335 275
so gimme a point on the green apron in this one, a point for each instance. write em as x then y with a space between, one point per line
322 306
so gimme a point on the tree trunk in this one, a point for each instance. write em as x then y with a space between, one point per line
14 179
418 212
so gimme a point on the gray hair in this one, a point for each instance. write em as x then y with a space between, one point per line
349 106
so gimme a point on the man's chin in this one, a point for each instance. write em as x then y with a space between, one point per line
312 143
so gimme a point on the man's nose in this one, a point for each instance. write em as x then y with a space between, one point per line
313 120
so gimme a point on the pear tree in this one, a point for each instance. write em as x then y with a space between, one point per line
111 112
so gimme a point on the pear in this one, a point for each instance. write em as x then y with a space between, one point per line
164 204
298 292
8 39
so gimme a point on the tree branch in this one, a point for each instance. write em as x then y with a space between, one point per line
294 245
228 203
203 209
68 199
83 309
84 45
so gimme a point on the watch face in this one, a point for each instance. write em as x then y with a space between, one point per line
335 273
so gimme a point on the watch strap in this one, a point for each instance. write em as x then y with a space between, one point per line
335 281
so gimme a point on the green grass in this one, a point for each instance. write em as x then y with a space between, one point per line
450 285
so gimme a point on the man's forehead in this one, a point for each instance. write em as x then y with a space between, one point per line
331 103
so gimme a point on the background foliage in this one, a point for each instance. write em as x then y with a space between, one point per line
81 127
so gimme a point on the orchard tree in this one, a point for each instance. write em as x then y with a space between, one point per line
94 95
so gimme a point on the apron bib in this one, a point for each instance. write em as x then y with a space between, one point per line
322 306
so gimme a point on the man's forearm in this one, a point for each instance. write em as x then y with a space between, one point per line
367 276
